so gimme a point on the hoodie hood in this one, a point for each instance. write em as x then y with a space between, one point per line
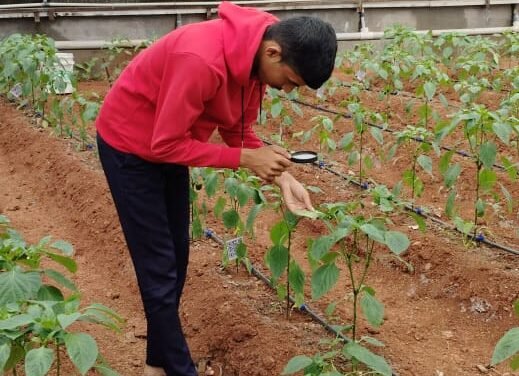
242 34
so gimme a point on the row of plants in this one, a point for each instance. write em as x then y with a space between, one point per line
32 76
40 307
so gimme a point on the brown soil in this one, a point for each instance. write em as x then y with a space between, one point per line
442 319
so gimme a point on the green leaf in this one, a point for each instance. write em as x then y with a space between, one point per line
503 131
16 356
451 175
373 232
487 154
82 350
241 250
279 233
308 213
426 163
464 227
296 276
291 220
60 279
211 183
516 307
67 320
353 157
16 285
314 189
447 52
251 217
330 309
487 179
107 311
507 346
372 341
396 241
38 361
444 100
106 371
480 208
445 160
276 260
430 89
296 364
219 207
321 246
243 194
5 352
50 293
363 355
373 310
420 221
328 124
383 74
196 227
346 141
276 108
3 220
231 218
510 168
66 261
377 135
64 247
449 206
323 279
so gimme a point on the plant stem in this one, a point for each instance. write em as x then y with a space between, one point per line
426 113
58 360
349 263
479 165
413 177
369 252
32 94
288 261
288 272
360 152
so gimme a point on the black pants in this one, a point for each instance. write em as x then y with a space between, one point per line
152 201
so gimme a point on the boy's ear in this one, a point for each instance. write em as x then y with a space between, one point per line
273 50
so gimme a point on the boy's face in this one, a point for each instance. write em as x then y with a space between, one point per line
273 72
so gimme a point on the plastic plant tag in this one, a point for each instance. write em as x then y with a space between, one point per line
16 91
231 247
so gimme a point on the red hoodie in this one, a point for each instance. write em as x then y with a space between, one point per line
172 96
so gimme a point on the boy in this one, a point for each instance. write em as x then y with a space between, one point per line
156 121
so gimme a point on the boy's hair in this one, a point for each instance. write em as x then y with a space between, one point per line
308 46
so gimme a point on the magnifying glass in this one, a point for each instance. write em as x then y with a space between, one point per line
303 156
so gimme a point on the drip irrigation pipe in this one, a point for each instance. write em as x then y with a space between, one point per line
389 130
478 238
304 308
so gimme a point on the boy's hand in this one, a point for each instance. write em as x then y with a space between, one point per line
267 162
296 197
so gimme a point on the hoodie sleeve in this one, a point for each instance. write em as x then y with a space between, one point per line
232 136
187 82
